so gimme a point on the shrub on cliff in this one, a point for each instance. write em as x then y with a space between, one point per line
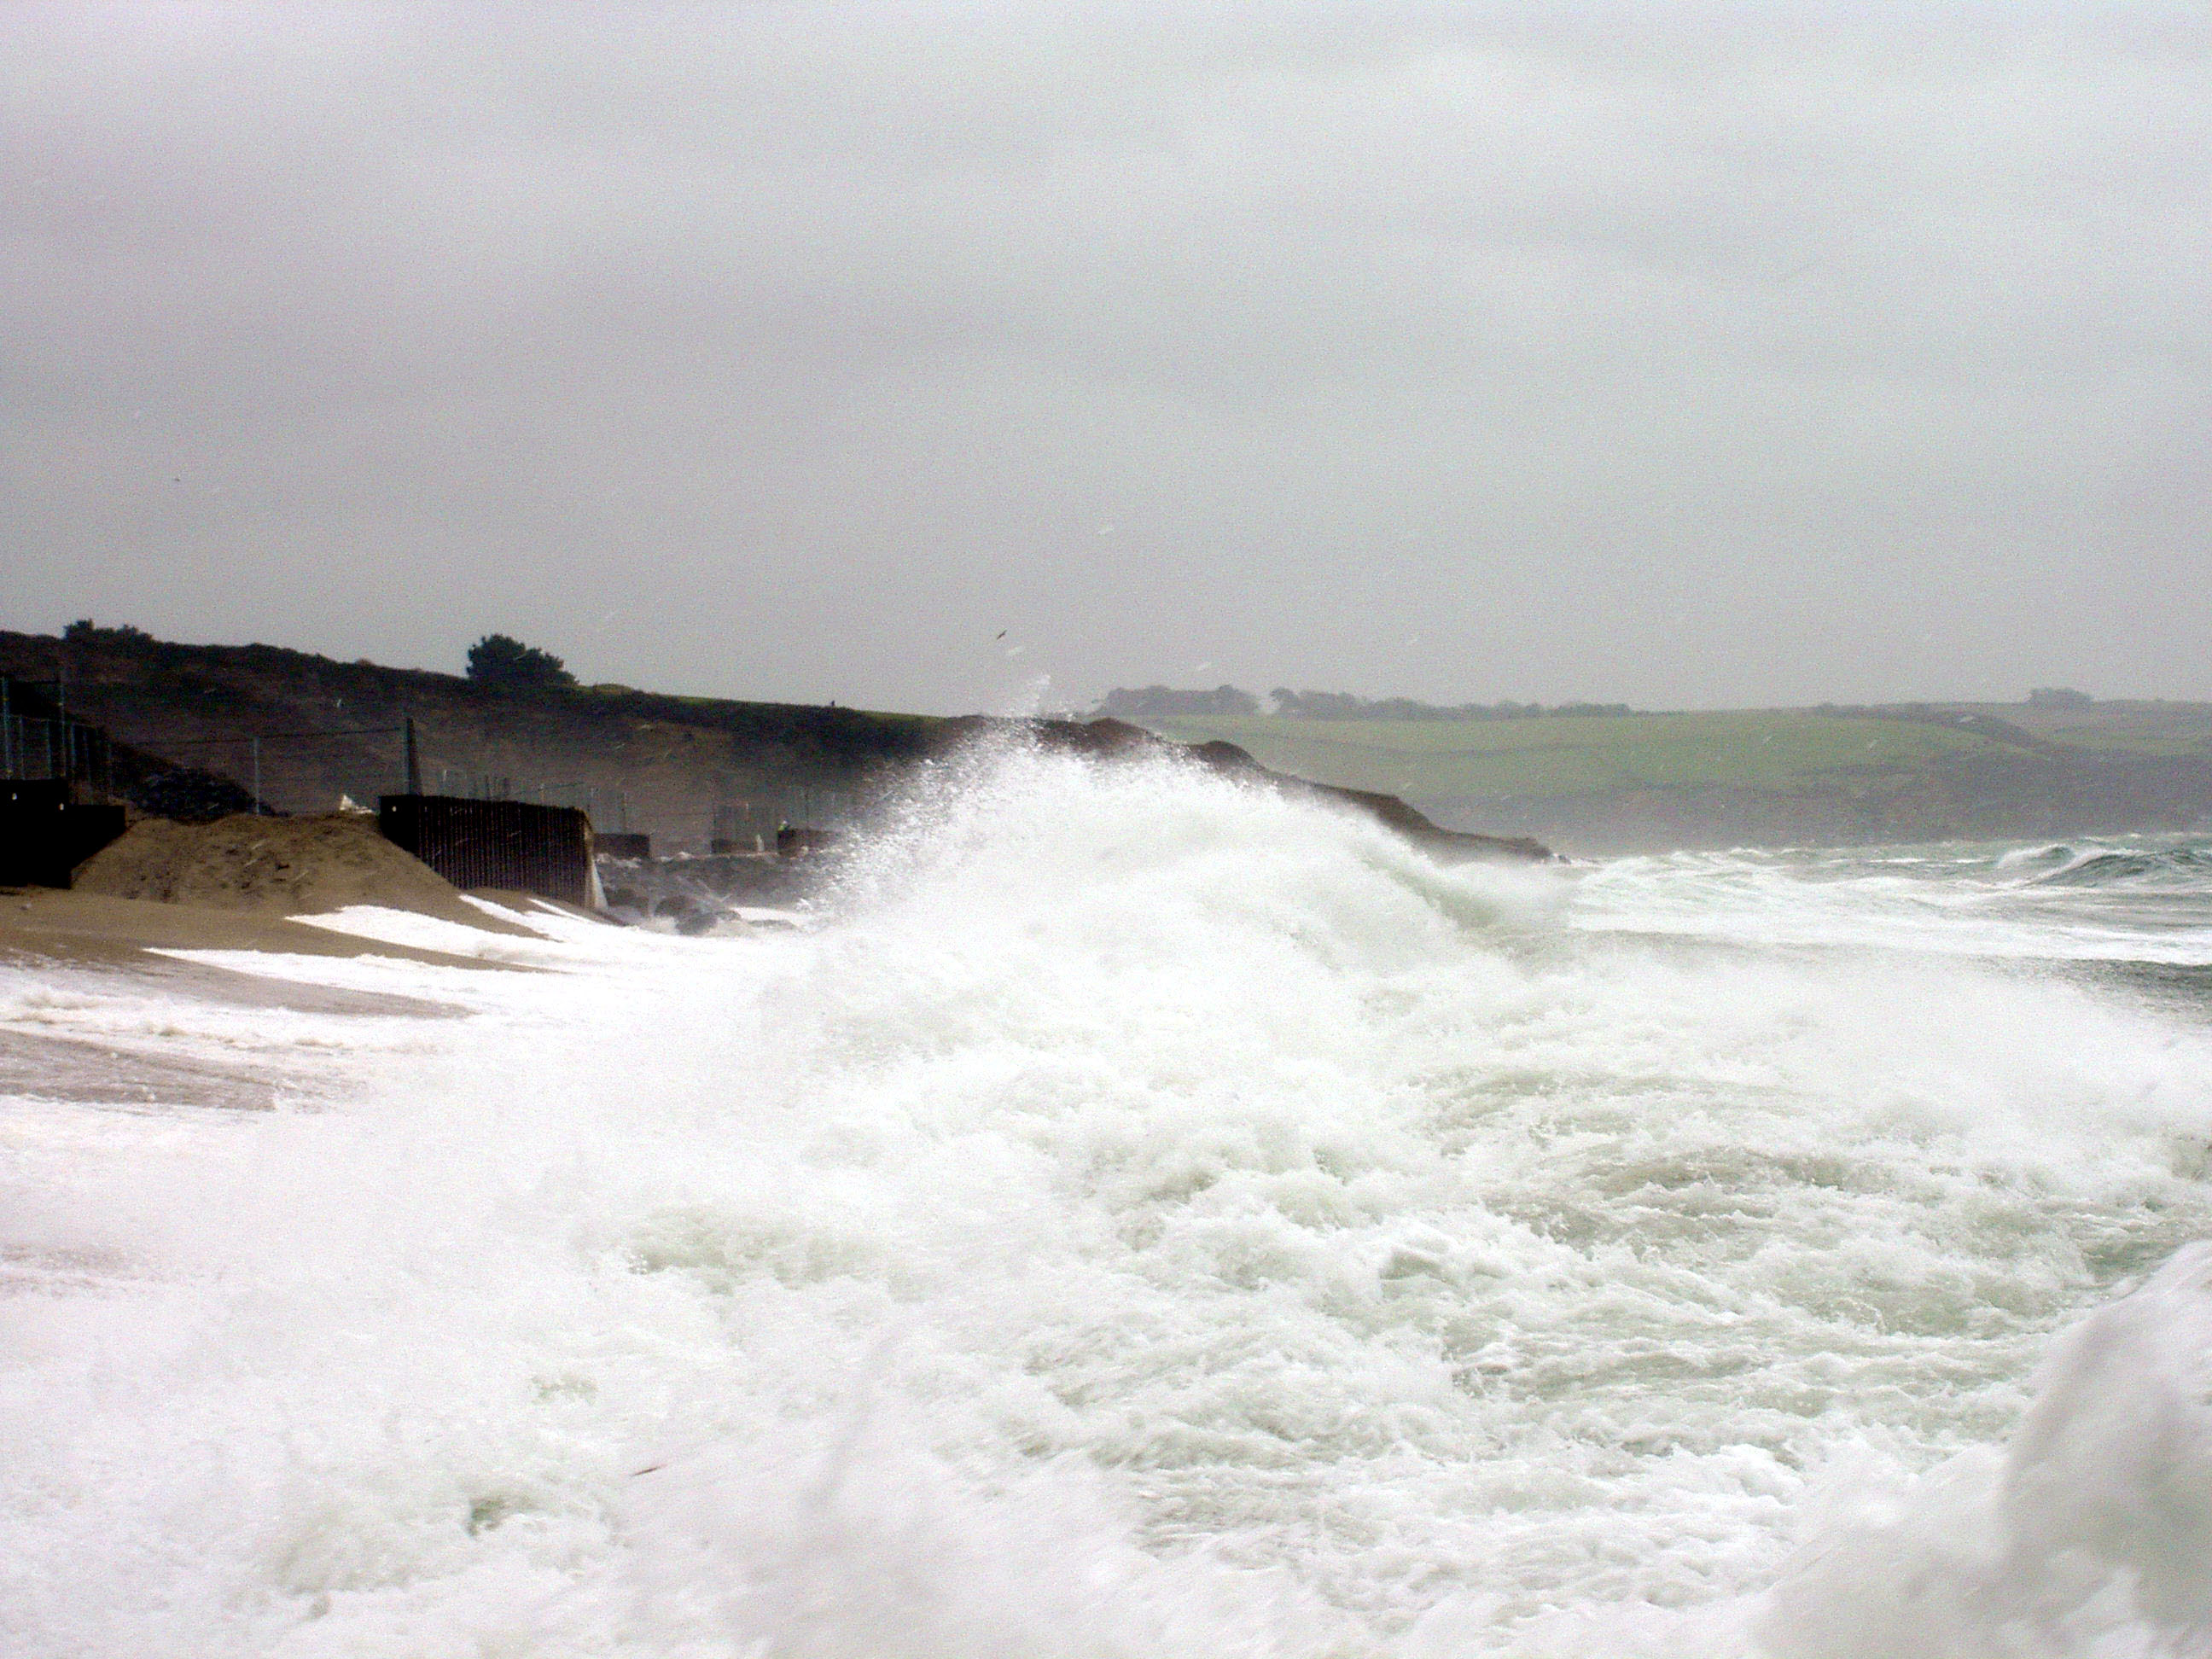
499 660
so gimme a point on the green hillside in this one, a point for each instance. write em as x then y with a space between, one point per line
1777 752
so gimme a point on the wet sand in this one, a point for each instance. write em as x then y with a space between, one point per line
115 946
36 1067
92 929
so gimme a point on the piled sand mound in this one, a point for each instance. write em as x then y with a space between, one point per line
274 866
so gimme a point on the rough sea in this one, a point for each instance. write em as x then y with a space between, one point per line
1141 1216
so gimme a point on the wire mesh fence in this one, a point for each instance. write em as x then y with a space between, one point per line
38 741
61 750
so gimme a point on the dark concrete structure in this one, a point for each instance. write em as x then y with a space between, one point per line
45 834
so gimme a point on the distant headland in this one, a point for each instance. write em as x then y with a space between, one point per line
1602 777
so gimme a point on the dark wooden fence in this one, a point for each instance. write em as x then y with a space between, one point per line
545 850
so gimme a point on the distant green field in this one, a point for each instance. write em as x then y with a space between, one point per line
2140 728
1767 751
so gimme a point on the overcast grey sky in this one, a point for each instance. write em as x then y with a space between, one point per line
1677 354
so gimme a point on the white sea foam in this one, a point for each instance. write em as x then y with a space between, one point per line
2144 901
1150 1217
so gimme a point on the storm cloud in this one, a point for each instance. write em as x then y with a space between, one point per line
1677 355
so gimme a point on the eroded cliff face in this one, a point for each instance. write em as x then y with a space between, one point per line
672 766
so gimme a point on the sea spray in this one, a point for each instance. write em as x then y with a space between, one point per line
1151 1216
2092 1534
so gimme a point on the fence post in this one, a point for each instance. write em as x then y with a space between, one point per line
256 743
414 759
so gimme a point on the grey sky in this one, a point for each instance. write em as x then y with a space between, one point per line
1676 353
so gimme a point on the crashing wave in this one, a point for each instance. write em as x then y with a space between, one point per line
2089 1535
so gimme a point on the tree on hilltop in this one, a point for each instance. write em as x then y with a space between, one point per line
85 631
496 660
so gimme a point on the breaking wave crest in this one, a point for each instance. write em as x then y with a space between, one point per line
1151 1217
2185 867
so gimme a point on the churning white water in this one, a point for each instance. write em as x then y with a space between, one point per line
1148 1217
